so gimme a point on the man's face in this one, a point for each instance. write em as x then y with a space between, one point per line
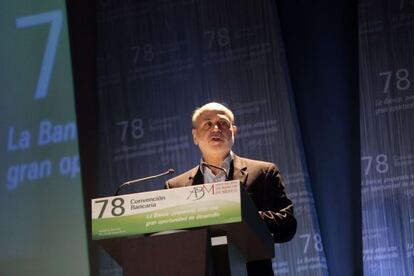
214 133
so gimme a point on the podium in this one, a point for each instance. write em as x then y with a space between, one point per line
209 229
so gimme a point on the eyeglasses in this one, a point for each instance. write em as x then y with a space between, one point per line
221 124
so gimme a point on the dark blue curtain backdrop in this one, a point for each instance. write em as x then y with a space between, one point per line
322 52
290 74
387 133
158 60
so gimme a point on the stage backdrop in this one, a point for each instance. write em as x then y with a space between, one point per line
387 148
158 60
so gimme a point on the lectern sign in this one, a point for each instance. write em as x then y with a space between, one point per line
179 208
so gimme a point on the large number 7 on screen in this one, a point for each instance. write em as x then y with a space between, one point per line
55 18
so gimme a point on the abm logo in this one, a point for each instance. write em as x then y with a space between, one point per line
199 191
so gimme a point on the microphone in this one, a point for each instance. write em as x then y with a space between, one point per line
216 167
170 171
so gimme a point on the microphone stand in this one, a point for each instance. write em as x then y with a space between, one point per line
170 171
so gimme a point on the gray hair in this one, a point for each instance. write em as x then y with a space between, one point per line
212 106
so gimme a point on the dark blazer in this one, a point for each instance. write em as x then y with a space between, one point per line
263 182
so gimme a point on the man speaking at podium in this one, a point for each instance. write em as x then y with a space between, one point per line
214 132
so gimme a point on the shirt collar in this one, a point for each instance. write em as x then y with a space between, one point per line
210 177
